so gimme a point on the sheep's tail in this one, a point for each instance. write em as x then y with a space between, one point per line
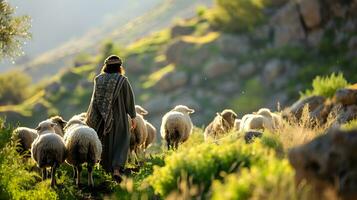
173 134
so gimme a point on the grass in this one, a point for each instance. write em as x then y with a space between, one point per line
200 40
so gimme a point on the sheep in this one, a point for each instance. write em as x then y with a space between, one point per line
176 126
48 149
151 134
275 119
83 146
257 122
138 134
151 130
27 135
221 124
237 124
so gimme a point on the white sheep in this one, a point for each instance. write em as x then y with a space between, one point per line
151 130
48 150
221 124
261 120
176 126
26 136
151 134
138 135
275 118
83 146
237 124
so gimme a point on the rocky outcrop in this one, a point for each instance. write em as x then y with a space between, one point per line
295 111
172 81
329 161
180 30
287 26
219 66
311 12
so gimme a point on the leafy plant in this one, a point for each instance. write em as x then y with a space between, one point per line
326 85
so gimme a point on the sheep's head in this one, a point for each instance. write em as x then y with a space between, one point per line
45 127
183 109
59 121
140 110
83 115
230 116
264 112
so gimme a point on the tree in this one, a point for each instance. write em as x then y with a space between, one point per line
13 31
14 87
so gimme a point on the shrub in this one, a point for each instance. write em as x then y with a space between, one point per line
14 87
237 15
199 164
268 181
326 85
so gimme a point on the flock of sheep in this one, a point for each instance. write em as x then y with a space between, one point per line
55 140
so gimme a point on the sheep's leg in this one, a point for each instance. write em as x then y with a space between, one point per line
175 145
44 173
79 170
90 175
53 174
74 173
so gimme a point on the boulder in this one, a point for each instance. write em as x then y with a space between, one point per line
287 26
295 111
346 114
219 66
272 70
311 12
315 36
158 104
246 70
172 81
179 30
346 96
328 162
233 44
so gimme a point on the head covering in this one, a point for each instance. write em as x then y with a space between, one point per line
113 59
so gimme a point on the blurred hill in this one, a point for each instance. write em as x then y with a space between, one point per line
215 60
126 22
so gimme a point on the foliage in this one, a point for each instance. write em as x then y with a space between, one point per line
274 180
13 30
14 87
326 85
237 15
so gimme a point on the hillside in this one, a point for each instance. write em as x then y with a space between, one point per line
298 58
192 63
120 29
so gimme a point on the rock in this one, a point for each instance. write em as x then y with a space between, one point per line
172 81
311 12
179 30
352 46
133 64
52 88
246 70
346 114
346 96
218 67
328 162
158 104
287 26
314 37
233 44
228 87
321 113
296 109
272 70
249 136
39 107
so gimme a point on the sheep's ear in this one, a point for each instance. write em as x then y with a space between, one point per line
235 116
52 124
38 128
191 110
219 114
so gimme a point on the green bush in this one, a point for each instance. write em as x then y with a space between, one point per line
237 15
326 85
271 180
202 163
14 87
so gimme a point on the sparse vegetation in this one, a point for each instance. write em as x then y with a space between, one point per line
14 87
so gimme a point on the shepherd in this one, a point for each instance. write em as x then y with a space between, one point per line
112 101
